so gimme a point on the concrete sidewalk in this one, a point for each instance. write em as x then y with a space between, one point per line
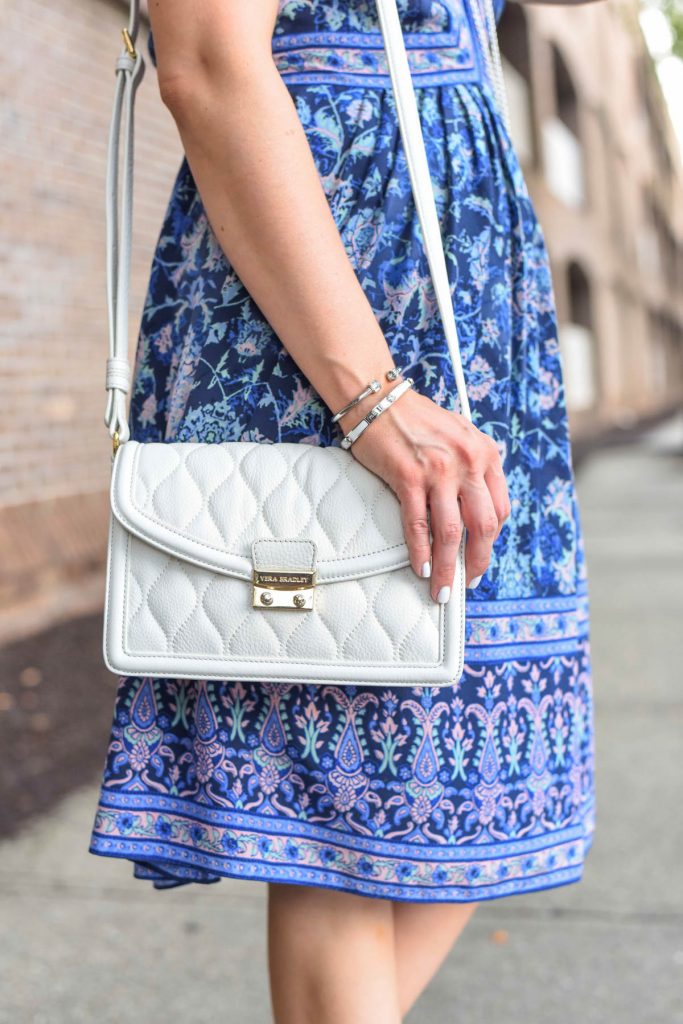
82 941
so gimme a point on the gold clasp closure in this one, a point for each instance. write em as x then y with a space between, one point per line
275 588
129 43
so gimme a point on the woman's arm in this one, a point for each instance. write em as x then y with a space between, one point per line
260 187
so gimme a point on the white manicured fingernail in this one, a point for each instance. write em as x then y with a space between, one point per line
443 595
426 569
475 582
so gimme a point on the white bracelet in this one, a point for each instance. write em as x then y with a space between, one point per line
376 411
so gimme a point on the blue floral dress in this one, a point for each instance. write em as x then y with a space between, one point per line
467 792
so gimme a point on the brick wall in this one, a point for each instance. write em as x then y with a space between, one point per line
57 88
628 152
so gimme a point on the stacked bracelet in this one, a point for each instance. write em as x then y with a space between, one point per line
376 411
371 389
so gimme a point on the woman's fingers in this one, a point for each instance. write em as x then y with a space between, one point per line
481 509
483 525
446 524
495 481
416 529
481 505
448 476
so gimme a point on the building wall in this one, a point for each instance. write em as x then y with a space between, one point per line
58 88
604 172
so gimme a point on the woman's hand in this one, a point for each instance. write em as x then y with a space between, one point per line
438 461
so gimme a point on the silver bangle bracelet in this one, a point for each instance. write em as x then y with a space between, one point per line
371 389
376 411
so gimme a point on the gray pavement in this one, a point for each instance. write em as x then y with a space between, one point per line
82 941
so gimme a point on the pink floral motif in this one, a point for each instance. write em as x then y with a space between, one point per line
421 809
149 409
248 347
345 795
203 763
300 399
481 378
139 755
163 340
269 778
550 389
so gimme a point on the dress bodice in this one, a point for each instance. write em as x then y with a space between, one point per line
343 22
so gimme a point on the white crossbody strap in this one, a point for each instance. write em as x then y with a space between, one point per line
129 73
130 68
420 179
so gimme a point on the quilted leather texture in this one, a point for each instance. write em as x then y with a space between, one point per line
187 521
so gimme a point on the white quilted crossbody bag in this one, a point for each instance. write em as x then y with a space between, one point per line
199 532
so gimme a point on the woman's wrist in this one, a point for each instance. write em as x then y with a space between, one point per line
376 411
340 372
370 390
354 415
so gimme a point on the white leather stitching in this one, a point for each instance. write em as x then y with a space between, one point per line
134 475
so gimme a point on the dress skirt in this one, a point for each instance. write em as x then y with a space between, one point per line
471 791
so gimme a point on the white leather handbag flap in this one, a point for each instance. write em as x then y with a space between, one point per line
285 562
231 506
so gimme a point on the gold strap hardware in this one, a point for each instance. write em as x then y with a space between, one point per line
129 43
279 588
115 442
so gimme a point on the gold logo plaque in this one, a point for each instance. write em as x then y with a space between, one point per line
290 588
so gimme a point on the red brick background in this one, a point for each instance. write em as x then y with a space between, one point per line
58 86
